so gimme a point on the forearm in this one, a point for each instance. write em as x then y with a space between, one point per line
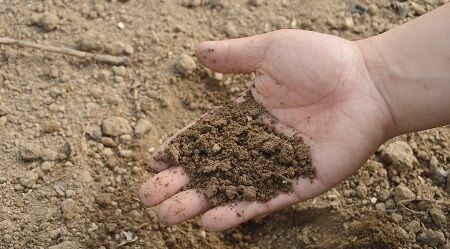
410 66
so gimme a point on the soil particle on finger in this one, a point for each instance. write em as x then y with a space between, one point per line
232 155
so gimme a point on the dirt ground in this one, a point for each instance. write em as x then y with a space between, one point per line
65 183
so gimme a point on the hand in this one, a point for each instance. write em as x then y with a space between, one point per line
316 84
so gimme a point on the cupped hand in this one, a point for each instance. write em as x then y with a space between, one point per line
313 83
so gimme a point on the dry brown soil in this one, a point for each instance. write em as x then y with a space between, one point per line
76 135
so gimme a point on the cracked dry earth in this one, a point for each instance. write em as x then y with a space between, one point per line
76 135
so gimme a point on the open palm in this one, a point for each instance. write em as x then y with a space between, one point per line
314 84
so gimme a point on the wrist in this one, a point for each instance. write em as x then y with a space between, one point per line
381 71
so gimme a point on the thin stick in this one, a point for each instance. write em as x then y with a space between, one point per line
105 58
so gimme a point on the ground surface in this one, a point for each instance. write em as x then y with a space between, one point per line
75 135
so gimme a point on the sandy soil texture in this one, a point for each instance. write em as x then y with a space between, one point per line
76 132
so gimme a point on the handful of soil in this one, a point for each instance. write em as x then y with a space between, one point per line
231 155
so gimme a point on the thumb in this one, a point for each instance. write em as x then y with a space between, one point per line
240 55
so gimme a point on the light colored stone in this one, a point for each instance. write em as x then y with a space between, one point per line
108 152
400 155
380 207
403 193
373 9
401 233
432 238
69 209
51 126
361 191
438 174
85 176
94 131
413 226
384 194
115 126
3 121
230 30
438 217
49 21
125 139
29 179
49 154
141 128
104 199
348 23
109 142
125 153
397 218
3 110
185 64
30 152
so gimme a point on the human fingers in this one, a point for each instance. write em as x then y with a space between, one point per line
163 185
183 206
240 55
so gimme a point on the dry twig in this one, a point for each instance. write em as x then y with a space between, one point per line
104 58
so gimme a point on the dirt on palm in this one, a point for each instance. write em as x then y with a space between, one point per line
76 135
234 153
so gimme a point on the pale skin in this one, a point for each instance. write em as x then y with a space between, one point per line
345 98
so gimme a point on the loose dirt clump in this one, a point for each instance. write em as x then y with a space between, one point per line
233 154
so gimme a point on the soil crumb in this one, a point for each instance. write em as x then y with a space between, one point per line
374 233
231 154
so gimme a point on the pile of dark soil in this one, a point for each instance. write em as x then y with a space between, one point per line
231 154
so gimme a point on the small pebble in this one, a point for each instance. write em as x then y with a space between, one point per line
3 121
373 9
438 217
397 218
125 139
361 191
91 41
94 131
348 23
48 21
108 142
125 153
104 199
438 174
413 226
49 154
29 179
403 193
400 155
69 208
185 64
142 127
3 110
111 227
432 238
115 126
401 233
384 194
401 9
51 126
30 152
108 152
231 30
380 207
